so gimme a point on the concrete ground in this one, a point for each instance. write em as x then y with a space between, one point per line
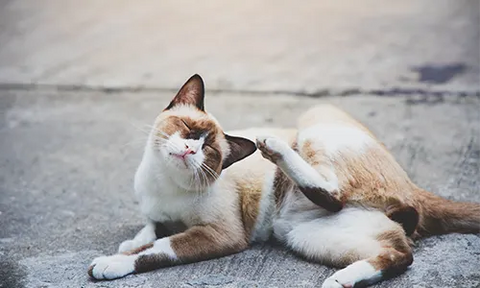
80 81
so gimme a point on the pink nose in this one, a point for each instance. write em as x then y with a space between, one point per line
188 151
184 153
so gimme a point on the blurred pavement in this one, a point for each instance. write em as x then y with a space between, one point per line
80 81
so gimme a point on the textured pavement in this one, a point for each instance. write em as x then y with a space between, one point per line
81 81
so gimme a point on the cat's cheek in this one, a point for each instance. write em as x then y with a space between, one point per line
199 157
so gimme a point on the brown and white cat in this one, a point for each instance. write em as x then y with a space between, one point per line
329 191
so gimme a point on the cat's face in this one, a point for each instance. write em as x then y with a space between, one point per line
191 143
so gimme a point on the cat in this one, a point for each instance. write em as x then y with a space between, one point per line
328 190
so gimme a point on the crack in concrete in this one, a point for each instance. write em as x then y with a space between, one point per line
438 94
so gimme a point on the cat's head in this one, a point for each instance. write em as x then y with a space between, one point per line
191 143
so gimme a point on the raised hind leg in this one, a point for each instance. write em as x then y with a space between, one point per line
315 176
319 184
369 246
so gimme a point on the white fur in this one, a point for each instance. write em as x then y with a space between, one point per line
165 192
295 167
354 273
168 191
112 267
263 226
178 145
161 200
144 236
336 138
329 237
161 246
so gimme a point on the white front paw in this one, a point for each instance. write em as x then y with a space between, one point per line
332 283
112 267
127 245
272 148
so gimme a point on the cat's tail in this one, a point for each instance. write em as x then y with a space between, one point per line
440 216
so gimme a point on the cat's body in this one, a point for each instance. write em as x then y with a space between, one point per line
329 191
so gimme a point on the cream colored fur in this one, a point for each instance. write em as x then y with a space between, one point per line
245 203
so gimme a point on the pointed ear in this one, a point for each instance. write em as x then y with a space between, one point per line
192 92
239 149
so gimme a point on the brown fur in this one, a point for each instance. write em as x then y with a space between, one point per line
375 179
322 198
440 216
372 178
407 216
207 242
346 259
396 255
249 202
281 185
366 179
139 249
192 92
145 263
194 128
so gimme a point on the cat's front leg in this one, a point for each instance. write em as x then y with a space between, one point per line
195 244
321 188
143 237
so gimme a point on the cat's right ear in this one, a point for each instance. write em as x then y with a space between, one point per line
191 93
239 149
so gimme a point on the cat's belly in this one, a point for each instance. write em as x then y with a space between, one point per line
295 209
299 215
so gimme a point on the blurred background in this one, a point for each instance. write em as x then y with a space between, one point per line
309 47
82 81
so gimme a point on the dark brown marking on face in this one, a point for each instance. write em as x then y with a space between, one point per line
191 93
213 157
194 129
211 133
189 128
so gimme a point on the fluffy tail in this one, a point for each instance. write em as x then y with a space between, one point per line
440 216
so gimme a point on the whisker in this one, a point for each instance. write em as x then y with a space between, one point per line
211 171
139 129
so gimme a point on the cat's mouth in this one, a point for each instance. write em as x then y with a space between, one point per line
182 158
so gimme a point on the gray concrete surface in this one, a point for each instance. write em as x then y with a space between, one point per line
68 160
80 81
315 47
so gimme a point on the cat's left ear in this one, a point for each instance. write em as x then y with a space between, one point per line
191 93
239 149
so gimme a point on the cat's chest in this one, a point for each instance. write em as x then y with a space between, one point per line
163 202
165 207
